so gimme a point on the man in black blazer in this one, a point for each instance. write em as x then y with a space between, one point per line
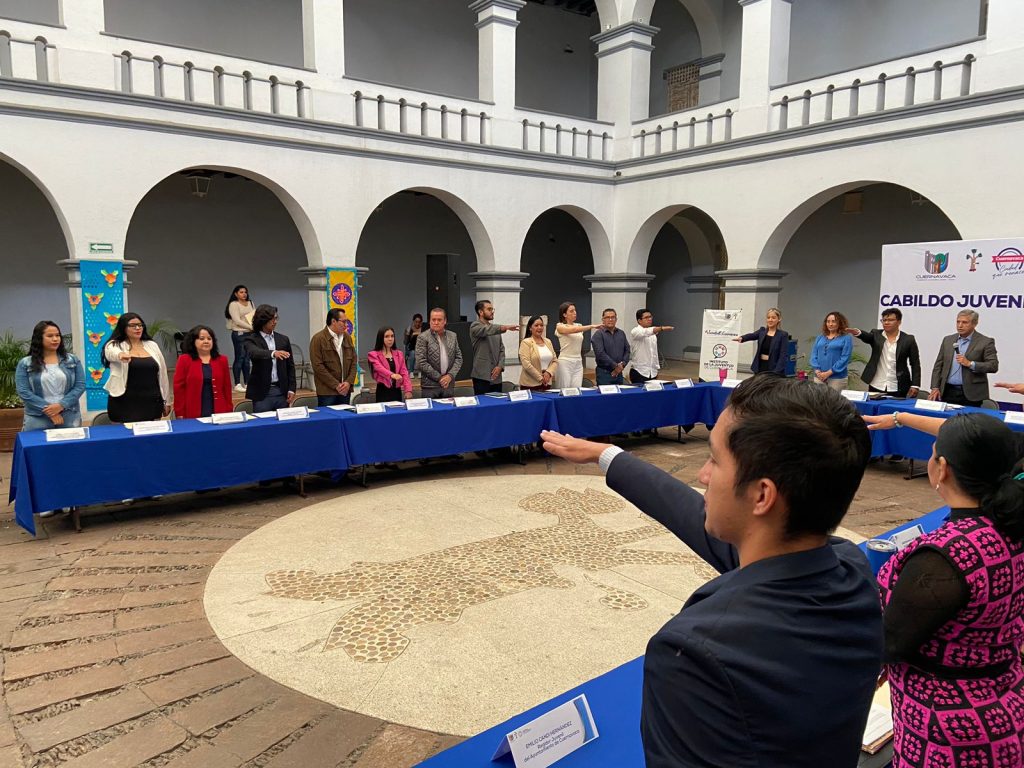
774 662
895 364
272 379
965 360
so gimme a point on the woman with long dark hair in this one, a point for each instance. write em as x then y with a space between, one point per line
537 357
953 604
137 386
412 334
50 381
831 352
239 311
202 381
388 367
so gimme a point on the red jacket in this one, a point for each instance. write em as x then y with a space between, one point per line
382 371
188 387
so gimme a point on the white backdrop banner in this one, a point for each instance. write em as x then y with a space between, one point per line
931 282
717 349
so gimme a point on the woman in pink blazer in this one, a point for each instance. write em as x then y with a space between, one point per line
387 365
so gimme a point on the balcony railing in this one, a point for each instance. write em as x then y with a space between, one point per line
25 59
554 138
687 130
452 123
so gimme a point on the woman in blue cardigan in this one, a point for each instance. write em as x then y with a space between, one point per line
772 345
831 352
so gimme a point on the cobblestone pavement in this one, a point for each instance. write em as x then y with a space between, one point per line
108 660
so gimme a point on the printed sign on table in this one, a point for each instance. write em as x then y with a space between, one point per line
717 349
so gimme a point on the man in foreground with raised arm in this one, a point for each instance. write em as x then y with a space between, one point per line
774 663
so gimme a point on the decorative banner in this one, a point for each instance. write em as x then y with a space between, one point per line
931 282
342 292
102 305
717 349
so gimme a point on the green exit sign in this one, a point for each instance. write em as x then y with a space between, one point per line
101 247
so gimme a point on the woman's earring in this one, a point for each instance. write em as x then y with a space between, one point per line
936 486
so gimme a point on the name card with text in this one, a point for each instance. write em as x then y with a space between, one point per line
930 405
1014 417
683 383
903 538
518 395
67 433
608 389
854 395
555 734
654 386
465 402
290 414
570 391
234 417
731 383
418 404
151 428
370 408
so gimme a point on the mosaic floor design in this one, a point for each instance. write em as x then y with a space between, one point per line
452 604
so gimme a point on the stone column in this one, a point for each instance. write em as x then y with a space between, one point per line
503 290
764 62
624 79
754 291
323 36
83 16
1003 61
625 292
497 21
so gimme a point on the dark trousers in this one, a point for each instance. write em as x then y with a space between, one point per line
638 378
605 377
275 399
240 367
886 392
483 386
325 400
954 393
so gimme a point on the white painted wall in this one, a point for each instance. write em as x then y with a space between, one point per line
193 251
732 36
264 30
548 78
835 260
31 244
40 11
393 245
676 43
431 46
831 35
668 297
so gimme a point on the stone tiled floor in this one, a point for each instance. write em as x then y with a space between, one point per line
108 659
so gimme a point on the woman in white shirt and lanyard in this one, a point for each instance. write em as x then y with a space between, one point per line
570 344
239 315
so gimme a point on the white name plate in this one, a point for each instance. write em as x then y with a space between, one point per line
518 395
551 736
731 383
290 414
654 386
67 433
370 408
1014 417
465 402
608 389
235 417
570 391
151 428
930 405
418 404
854 395
903 538
683 383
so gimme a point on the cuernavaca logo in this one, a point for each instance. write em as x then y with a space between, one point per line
973 258
719 351
1009 261
341 294
935 266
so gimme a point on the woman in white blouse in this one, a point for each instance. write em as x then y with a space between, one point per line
238 312
137 386
570 342
537 357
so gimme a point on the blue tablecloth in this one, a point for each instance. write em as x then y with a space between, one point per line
636 409
113 464
397 434
912 443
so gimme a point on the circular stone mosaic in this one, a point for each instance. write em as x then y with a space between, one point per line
453 604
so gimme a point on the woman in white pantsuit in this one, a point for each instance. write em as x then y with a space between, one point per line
570 343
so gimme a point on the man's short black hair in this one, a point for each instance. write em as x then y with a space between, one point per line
808 439
641 312
333 314
479 306
609 309
893 311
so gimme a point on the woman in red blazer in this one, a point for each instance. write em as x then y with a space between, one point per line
202 379
387 364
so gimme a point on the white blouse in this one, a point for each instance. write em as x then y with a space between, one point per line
54 383
545 356
570 345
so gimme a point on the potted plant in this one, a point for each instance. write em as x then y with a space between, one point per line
12 411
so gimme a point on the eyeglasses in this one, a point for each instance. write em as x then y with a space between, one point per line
135 325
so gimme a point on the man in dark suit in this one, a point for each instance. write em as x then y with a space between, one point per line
965 360
774 662
895 364
272 379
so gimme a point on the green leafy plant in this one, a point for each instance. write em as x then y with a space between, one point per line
163 333
11 351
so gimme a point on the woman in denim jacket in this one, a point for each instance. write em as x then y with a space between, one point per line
50 381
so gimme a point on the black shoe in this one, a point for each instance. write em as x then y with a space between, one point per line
897 458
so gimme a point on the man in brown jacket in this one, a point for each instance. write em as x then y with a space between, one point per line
332 354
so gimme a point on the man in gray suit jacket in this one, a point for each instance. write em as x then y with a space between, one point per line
438 357
965 360
488 349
